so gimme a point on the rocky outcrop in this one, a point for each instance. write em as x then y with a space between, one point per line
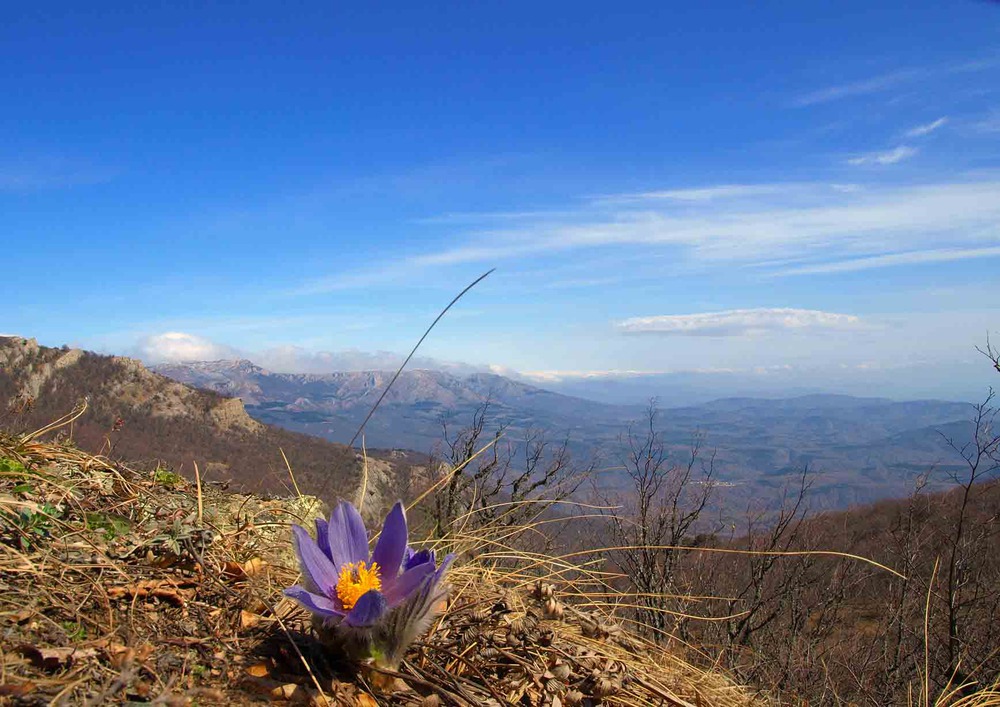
231 415
38 364
136 412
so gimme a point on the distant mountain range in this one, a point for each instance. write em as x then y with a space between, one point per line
411 416
862 449
149 419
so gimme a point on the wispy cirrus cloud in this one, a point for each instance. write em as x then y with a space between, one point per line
50 172
866 221
820 223
919 257
737 322
927 128
884 157
698 194
862 87
988 125
892 79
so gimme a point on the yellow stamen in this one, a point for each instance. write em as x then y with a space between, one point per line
356 579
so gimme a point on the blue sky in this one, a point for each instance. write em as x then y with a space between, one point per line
806 192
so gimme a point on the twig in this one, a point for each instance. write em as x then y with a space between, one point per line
462 658
197 481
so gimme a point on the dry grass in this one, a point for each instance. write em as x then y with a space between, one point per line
120 586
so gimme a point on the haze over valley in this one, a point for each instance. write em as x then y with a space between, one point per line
859 449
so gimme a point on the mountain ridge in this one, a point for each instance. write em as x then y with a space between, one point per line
139 414
865 448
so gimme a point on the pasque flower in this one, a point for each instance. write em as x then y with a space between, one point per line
370 606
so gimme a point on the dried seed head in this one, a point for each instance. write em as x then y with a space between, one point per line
544 591
553 609
604 687
561 671
592 629
480 614
518 624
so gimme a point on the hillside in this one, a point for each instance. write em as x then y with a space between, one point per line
862 449
825 624
174 598
137 414
201 569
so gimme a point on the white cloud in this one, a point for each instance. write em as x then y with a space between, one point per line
177 346
295 359
50 172
819 222
180 347
910 258
724 191
737 322
858 88
863 222
556 376
893 156
353 280
927 128
883 82
990 124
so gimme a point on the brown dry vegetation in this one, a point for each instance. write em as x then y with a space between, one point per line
123 586
885 604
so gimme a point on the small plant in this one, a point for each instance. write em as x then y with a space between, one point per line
11 466
74 631
30 527
17 470
113 526
166 477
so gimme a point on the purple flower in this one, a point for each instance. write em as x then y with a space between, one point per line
373 606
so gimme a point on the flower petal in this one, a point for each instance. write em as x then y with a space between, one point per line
412 558
391 543
445 565
407 583
347 534
317 604
320 573
323 536
369 609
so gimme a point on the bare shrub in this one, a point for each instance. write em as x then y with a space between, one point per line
488 477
